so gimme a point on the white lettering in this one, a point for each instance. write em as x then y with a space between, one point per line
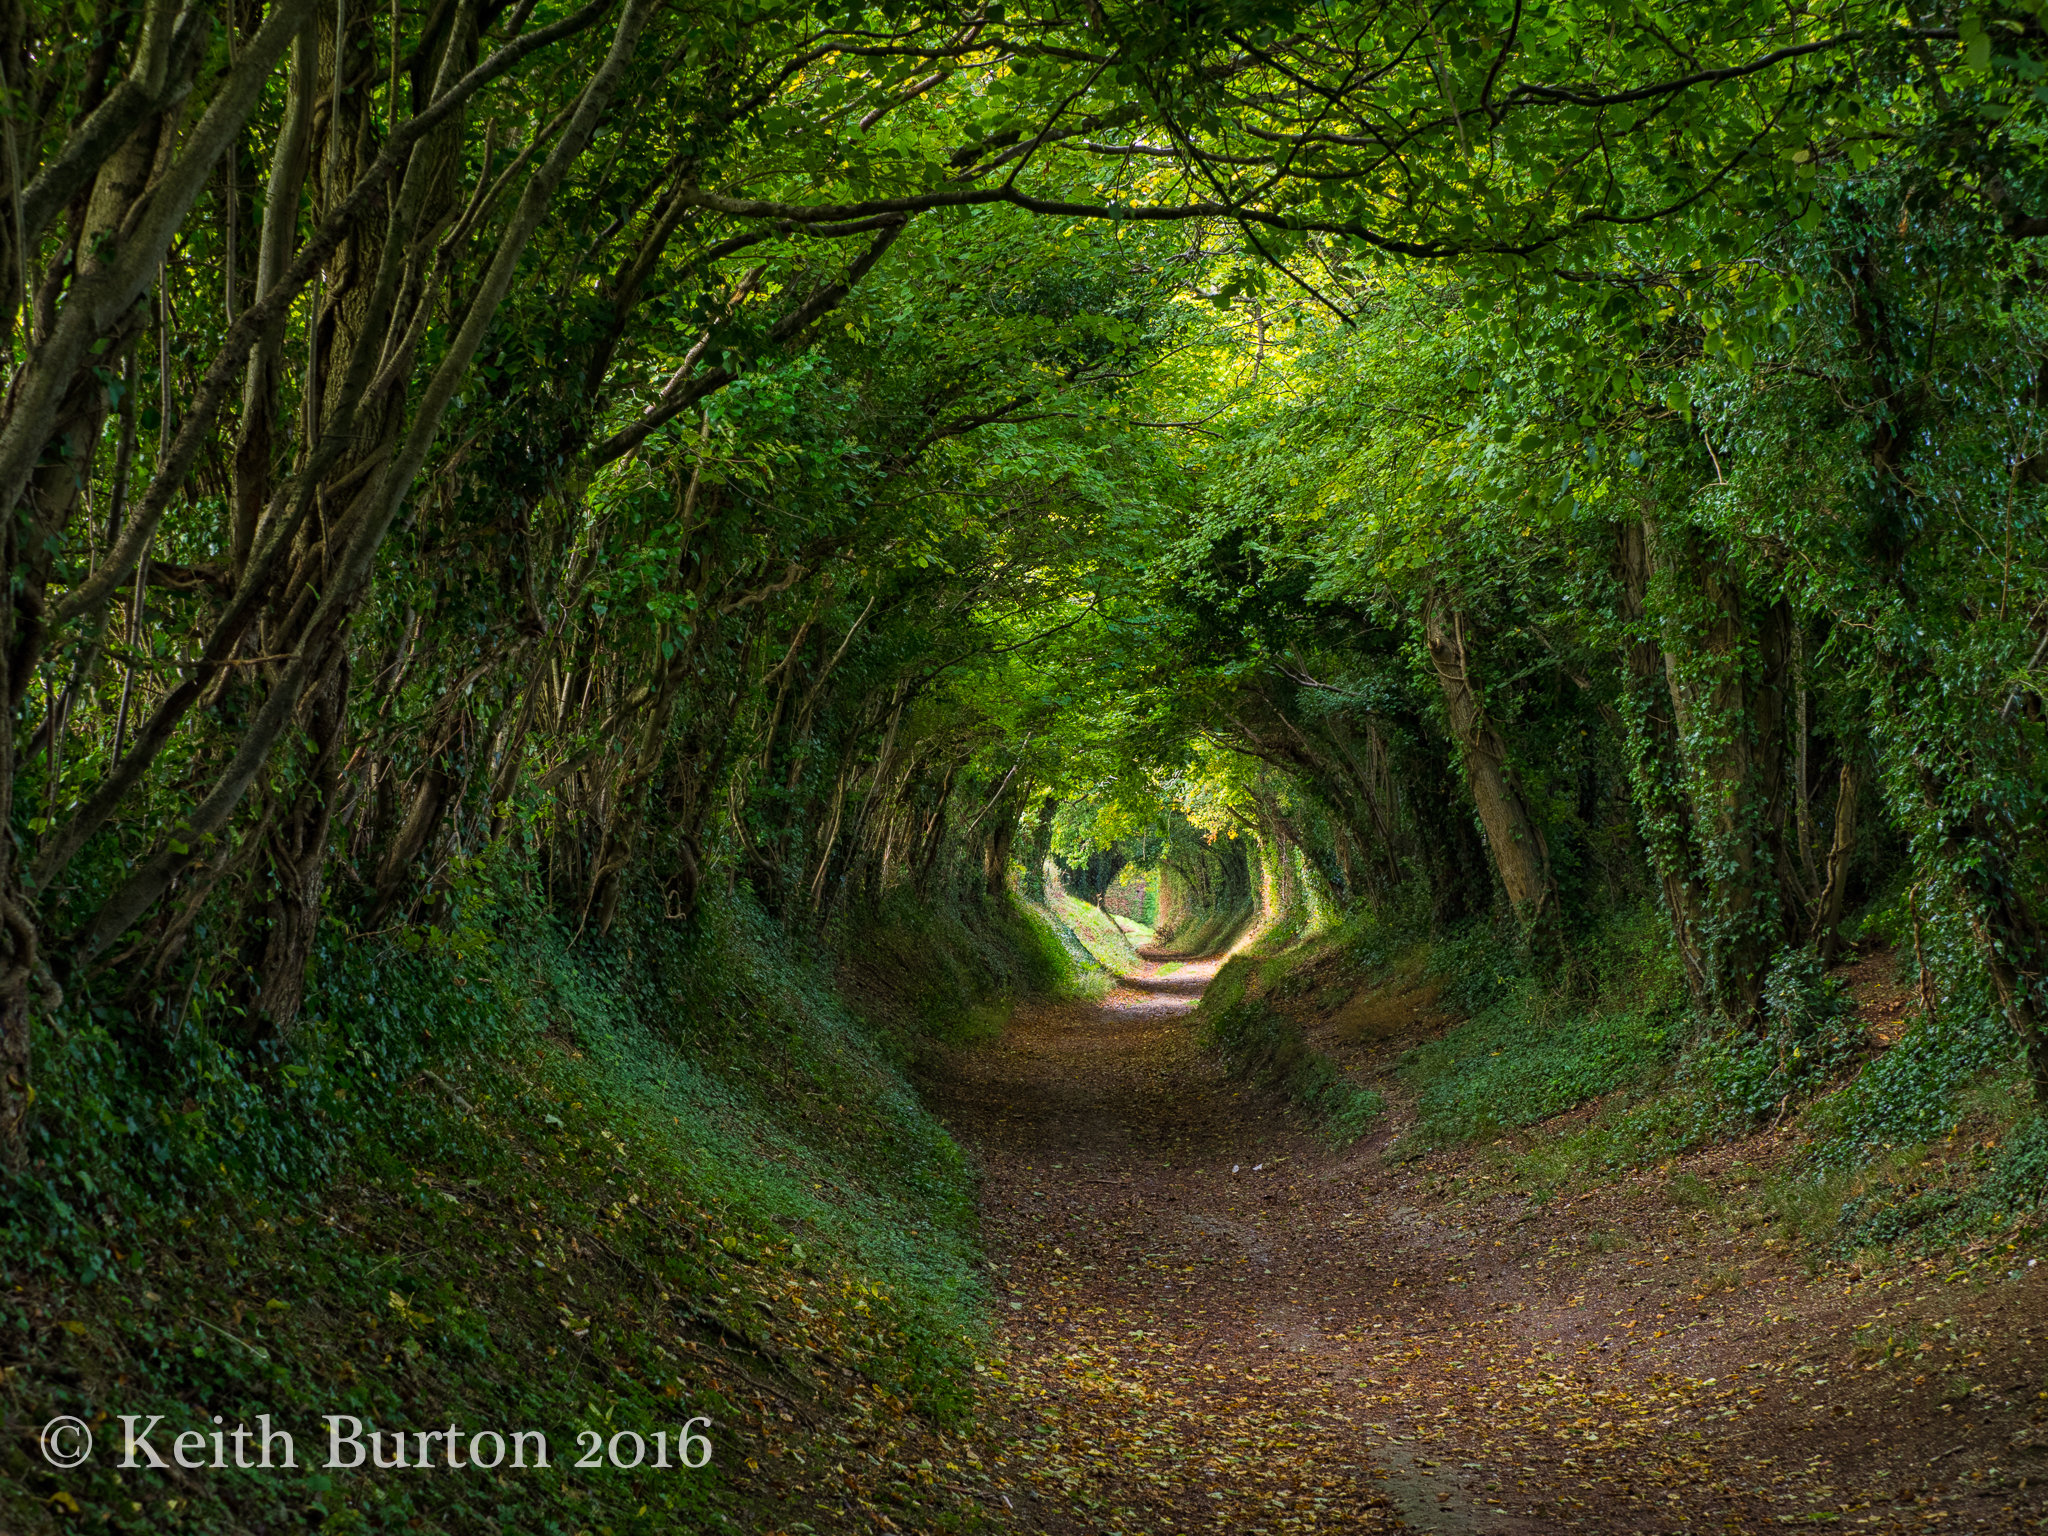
336 1439
271 1436
540 1444
178 1448
135 1442
476 1455
687 1440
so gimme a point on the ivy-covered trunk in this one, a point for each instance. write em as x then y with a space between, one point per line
1656 773
1978 842
2014 942
995 850
1727 662
1040 847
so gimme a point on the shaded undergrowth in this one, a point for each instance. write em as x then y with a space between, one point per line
506 1181
1599 1067
1196 932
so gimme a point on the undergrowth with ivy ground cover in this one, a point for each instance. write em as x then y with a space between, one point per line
617 1185
1925 1146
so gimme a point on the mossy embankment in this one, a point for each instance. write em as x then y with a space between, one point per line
507 1180
1112 942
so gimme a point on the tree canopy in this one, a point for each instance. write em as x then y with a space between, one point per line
1529 461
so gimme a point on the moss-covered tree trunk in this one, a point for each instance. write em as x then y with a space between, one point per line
1040 848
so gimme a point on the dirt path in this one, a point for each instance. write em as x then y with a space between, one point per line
1212 1323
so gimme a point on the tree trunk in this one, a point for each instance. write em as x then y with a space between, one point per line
2014 944
1520 853
1040 848
995 865
1827 922
2012 938
1728 695
296 860
1656 773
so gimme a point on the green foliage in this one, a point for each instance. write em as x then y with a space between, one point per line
1517 1064
1989 1191
1915 1091
1526 1050
1567 523
1875 1172
131 1131
948 974
737 1042
696 1121
1887 920
1068 966
1110 942
1210 935
1262 1046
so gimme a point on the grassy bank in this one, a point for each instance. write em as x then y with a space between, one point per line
1110 940
1865 1131
508 1182
1205 931
1265 1043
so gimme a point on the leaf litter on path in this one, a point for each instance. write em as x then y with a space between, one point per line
1208 1322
